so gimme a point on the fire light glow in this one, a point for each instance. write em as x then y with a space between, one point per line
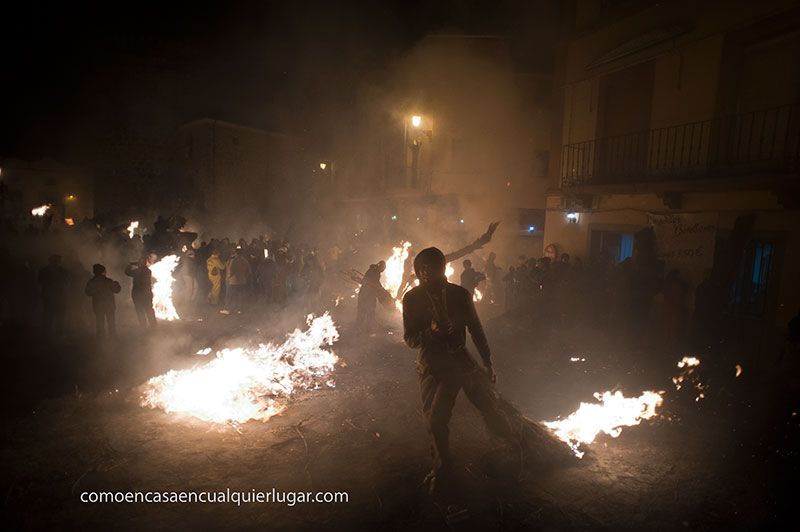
688 374
162 288
41 210
241 384
392 276
613 412
134 225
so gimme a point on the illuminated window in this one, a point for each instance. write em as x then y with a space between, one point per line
749 292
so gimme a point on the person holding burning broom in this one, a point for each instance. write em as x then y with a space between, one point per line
436 316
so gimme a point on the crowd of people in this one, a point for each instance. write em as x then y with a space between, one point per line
636 297
81 271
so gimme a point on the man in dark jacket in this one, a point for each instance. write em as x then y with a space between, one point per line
370 292
436 316
54 280
102 289
471 278
142 291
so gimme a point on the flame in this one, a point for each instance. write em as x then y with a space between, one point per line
688 365
449 271
41 210
241 383
477 296
69 221
610 415
392 276
134 225
162 288
616 411
738 370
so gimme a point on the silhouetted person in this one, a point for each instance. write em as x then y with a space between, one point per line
470 278
102 289
238 280
674 291
370 292
493 282
436 315
53 280
142 291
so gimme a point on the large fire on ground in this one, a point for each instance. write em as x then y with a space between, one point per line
245 383
615 411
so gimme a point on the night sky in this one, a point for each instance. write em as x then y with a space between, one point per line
78 73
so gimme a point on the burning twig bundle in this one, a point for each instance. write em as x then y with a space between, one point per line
244 383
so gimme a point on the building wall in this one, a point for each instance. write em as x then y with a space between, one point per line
629 212
689 84
237 171
723 58
489 123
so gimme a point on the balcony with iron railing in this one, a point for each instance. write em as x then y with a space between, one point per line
755 143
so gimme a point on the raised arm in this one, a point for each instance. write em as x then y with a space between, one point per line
478 244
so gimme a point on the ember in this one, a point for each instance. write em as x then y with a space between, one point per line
689 375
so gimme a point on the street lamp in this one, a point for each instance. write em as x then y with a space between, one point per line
413 143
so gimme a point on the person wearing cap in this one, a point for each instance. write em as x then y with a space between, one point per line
102 289
436 316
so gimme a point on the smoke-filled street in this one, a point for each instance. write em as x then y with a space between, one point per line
85 430
419 265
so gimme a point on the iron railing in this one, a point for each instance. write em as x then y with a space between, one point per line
764 141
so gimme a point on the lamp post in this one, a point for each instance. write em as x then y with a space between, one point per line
413 141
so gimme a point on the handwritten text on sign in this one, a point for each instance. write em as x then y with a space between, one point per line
685 239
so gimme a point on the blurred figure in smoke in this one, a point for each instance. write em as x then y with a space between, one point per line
187 277
492 272
470 278
510 294
674 314
53 279
238 280
265 278
102 289
142 291
215 268
436 315
312 274
369 293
